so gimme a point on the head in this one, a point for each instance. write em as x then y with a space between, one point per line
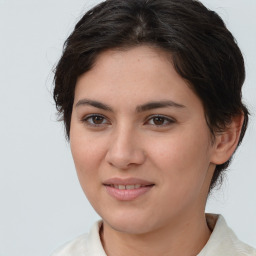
196 41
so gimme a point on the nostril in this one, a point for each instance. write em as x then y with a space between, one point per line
125 157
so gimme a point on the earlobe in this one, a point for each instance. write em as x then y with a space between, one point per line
226 141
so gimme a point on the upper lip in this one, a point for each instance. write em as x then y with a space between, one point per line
127 181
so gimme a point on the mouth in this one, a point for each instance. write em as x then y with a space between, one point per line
127 189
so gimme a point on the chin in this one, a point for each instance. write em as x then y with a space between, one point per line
129 224
129 228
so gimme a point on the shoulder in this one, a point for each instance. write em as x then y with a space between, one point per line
75 247
84 245
223 241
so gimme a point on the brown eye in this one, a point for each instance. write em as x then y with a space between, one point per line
97 119
158 120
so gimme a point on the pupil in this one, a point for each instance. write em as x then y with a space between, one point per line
97 119
158 120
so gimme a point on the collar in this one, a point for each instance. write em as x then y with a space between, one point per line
222 242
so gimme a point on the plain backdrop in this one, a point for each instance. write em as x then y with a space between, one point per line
41 203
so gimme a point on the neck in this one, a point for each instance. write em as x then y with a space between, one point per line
186 236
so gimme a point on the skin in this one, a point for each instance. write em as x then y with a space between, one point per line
175 152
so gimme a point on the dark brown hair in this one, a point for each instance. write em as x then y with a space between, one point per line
203 51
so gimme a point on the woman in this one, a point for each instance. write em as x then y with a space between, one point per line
150 95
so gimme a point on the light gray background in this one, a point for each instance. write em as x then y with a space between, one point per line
41 203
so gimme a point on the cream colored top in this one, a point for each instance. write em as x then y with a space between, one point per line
222 242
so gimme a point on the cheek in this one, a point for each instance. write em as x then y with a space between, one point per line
182 169
87 158
182 158
87 153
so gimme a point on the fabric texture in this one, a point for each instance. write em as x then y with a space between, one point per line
222 242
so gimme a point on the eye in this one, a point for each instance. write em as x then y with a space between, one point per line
95 120
159 120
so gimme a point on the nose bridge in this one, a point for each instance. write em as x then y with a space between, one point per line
125 148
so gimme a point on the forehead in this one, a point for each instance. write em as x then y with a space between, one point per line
136 75
134 54
125 66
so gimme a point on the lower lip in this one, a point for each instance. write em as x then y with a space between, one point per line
127 194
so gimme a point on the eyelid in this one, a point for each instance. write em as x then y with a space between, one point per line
87 117
170 120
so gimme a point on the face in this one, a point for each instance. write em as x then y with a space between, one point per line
140 142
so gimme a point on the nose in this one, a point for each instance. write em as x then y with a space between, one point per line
125 150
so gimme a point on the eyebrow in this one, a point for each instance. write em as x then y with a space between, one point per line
93 103
140 108
158 104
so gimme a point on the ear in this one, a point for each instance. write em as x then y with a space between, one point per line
226 142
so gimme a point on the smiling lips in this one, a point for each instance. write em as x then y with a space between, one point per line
127 189
126 186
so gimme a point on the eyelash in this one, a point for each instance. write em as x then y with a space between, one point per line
87 118
167 120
